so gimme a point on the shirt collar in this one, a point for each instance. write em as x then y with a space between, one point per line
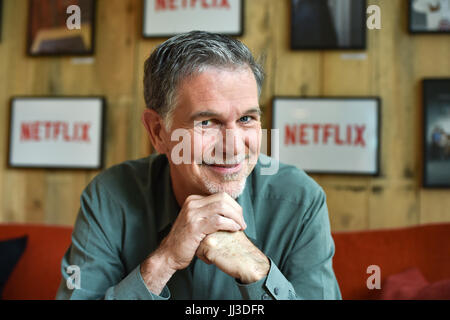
167 207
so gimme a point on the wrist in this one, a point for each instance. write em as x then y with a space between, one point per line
156 271
257 270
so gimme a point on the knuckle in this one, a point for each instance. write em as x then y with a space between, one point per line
217 221
221 206
189 203
190 228
191 199
189 214
209 241
223 195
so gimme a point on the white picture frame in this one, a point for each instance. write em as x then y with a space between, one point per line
166 18
56 132
329 135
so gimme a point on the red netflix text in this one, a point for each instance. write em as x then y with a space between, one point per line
55 131
318 133
185 4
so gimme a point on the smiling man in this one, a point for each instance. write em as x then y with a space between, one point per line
202 221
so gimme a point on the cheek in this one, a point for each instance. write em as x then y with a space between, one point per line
206 142
253 141
203 145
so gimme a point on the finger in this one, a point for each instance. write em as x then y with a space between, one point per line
217 222
221 196
231 201
204 259
226 210
228 199
201 255
194 199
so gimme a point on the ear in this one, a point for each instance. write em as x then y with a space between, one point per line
157 134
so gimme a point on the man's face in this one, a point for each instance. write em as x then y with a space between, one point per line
219 111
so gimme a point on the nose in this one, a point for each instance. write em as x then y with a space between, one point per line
234 143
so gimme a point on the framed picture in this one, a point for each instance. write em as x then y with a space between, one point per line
328 24
329 135
429 16
61 27
165 18
436 115
56 132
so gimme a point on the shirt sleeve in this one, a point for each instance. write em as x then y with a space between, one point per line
95 254
308 273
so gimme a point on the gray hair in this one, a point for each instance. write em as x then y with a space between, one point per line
187 54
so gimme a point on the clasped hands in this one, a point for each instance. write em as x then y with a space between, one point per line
211 228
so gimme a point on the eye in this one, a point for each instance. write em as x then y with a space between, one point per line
205 123
246 119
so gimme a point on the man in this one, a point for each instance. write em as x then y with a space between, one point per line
202 221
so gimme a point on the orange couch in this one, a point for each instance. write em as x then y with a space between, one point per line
37 274
425 247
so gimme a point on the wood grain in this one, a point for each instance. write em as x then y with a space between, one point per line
392 68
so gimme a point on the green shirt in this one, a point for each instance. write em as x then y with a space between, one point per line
128 209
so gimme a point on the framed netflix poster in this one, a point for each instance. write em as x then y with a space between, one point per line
165 18
436 115
56 132
429 16
329 135
328 24
61 27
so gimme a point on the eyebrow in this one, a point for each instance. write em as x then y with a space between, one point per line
212 114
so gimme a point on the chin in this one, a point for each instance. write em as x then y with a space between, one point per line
233 188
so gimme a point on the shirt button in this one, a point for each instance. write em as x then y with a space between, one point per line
265 296
276 291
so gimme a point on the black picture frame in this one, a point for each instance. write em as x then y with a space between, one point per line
417 22
436 146
165 35
101 143
61 42
376 99
351 36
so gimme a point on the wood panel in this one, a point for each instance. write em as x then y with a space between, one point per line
391 68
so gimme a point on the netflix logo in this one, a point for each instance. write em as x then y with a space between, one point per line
46 131
165 18
163 5
324 134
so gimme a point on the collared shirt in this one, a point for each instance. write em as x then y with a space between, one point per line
128 209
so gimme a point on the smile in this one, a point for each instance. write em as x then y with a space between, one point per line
224 168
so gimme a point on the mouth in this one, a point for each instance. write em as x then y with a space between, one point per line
224 168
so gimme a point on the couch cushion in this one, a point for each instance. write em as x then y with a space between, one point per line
38 272
404 285
393 250
412 285
10 252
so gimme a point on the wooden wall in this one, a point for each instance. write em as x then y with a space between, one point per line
394 65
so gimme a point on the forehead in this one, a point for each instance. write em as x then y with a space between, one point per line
223 91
